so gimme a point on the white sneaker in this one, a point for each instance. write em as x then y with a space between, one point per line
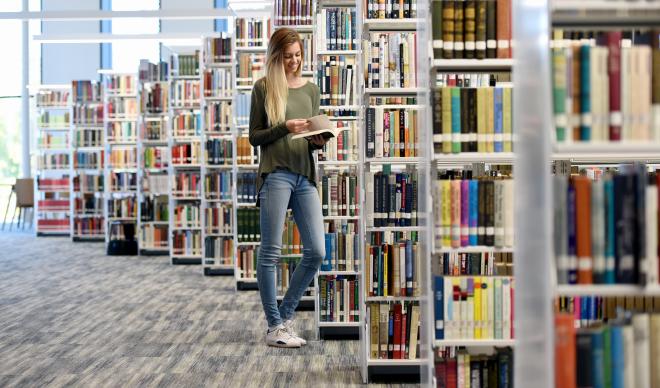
280 337
288 326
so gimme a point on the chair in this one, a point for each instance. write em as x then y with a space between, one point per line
24 191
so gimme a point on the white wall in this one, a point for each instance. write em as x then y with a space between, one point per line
201 26
62 63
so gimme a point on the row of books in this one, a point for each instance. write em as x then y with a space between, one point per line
88 226
246 262
457 367
393 330
154 98
184 65
340 194
186 243
87 205
88 183
337 29
471 29
291 242
153 237
187 124
53 161
293 12
119 84
85 91
391 199
88 114
343 147
154 157
54 119
393 268
122 207
121 108
472 211
473 263
249 68
87 137
392 132
469 119
248 228
53 140
87 160
605 87
186 184
336 80
185 93
219 151
218 219
606 227
123 158
186 154
218 83
589 310
218 116
242 109
186 215
473 307
154 130
153 72
620 353
219 248
154 208
246 187
252 32
390 9
52 98
393 51
54 205
124 132
339 299
245 152
342 246
217 50
123 181
284 273
218 185
155 184
45 184
46 223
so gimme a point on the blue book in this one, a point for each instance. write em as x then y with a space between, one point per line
456 136
617 356
474 211
585 93
438 285
409 268
597 358
572 243
327 261
498 94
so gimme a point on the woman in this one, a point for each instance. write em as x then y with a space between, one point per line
281 103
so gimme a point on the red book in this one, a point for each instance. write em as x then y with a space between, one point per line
565 362
404 335
440 374
504 28
614 74
397 332
583 229
451 373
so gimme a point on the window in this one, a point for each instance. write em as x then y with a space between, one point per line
126 55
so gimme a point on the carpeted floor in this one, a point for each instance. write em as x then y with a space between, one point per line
71 316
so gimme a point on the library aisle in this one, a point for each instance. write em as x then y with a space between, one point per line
69 318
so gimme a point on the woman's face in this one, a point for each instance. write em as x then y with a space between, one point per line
292 57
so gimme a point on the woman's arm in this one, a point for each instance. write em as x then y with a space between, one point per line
259 133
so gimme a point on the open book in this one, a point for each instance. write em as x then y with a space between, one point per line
320 125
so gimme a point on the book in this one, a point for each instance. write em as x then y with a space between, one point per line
320 125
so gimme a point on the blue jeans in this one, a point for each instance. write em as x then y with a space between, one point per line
280 190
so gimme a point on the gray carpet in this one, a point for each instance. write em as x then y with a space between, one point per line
71 316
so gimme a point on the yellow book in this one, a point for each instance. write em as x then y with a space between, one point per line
446 120
385 271
477 307
490 120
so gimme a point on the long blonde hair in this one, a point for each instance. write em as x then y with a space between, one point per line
277 89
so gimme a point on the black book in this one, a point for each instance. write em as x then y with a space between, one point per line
625 265
465 130
472 119
583 346
491 29
371 132
402 133
490 213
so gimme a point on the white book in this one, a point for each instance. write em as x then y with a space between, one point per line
379 133
506 309
598 227
498 307
629 368
626 125
651 207
320 125
369 205
508 212
641 327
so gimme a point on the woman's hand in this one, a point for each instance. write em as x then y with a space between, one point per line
297 125
318 140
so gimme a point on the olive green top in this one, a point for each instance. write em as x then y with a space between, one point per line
278 150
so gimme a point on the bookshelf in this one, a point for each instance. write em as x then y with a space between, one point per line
337 285
186 160
87 157
153 159
218 189
612 123
52 190
120 135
